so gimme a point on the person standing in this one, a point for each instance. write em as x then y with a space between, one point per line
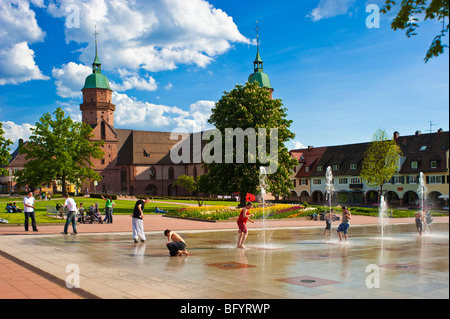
419 222
71 215
138 220
343 227
28 209
244 216
108 209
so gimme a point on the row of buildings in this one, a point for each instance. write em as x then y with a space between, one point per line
422 153
139 162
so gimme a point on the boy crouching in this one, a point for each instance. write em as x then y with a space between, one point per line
178 246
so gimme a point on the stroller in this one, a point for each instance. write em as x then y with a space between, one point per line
93 215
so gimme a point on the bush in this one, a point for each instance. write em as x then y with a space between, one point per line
114 197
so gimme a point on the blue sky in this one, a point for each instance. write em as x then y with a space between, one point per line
169 61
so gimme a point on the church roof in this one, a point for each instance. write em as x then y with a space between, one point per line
96 81
262 78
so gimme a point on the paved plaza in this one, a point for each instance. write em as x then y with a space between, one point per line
294 263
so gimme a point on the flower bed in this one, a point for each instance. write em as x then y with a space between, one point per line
225 212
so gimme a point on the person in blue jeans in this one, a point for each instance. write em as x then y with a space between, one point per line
71 215
343 227
28 209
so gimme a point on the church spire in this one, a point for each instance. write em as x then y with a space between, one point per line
97 65
258 63
259 75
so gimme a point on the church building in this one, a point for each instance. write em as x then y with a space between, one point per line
136 162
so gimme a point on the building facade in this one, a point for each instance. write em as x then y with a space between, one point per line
422 153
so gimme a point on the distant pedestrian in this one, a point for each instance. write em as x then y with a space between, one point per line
109 209
343 227
71 215
28 209
138 220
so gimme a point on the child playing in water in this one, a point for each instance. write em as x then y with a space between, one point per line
244 216
178 246
328 223
419 222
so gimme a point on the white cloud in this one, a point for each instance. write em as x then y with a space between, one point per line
17 65
330 8
298 145
131 80
14 131
149 116
18 29
151 35
70 79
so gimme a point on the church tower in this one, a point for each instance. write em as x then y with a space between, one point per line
258 74
97 106
98 112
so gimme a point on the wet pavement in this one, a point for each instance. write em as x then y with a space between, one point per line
294 263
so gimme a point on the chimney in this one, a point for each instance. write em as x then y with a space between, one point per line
418 133
396 135
310 147
20 141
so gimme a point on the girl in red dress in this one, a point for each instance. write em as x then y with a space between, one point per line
244 216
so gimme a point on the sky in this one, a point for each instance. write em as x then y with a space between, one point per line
169 61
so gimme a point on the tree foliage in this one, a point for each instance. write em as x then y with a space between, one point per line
59 150
250 107
4 151
407 19
381 160
192 186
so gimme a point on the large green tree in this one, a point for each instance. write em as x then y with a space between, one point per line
381 160
4 151
250 109
59 149
408 19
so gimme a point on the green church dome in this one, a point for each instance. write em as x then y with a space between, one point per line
96 81
262 78
259 75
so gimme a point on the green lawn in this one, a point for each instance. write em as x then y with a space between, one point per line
123 207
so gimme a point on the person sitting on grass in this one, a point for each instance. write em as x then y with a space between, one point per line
178 246
159 211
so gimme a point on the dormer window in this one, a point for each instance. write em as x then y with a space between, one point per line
433 164
414 165
423 148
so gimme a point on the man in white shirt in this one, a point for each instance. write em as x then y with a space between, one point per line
28 209
71 215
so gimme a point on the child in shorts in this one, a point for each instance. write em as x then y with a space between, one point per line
178 246
244 216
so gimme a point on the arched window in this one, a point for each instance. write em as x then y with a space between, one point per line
152 173
151 189
123 180
103 130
